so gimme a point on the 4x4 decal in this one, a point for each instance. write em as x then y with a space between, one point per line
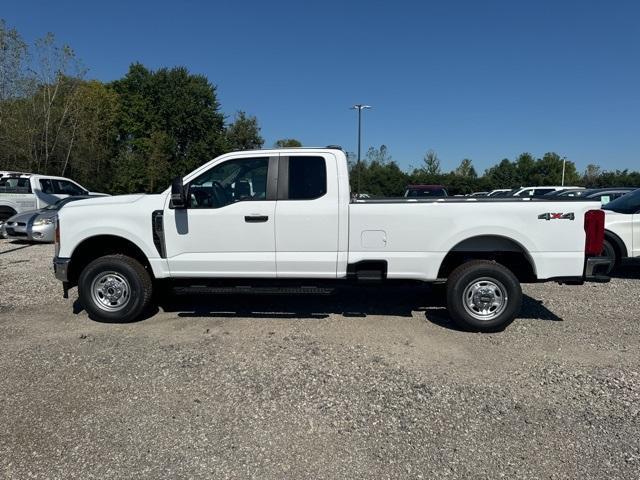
557 216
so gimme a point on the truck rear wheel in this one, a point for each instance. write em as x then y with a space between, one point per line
115 288
483 296
609 251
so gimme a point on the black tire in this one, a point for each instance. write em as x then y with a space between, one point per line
131 277
483 281
609 251
6 213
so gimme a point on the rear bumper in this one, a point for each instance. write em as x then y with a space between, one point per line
61 268
591 267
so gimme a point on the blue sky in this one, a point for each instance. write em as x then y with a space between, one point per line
479 79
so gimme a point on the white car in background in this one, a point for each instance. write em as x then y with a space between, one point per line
21 192
539 191
499 192
622 228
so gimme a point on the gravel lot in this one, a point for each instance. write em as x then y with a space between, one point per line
363 384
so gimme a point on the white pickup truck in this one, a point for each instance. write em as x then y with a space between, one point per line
21 192
285 218
622 228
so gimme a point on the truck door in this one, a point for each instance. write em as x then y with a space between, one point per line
307 216
227 229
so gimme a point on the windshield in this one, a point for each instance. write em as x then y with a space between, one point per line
629 203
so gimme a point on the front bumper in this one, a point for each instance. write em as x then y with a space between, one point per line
61 268
33 233
16 230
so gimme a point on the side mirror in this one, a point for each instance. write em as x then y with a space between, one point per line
178 194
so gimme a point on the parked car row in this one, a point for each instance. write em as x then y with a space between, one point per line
605 195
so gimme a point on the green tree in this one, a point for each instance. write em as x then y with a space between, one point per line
378 179
548 171
466 169
591 175
182 105
287 143
431 163
13 55
244 133
379 155
524 167
159 147
503 175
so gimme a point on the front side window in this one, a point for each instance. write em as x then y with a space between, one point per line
46 186
230 182
65 187
307 178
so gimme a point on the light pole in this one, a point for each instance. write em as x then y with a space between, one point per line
564 162
359 107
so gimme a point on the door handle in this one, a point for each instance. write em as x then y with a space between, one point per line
255 218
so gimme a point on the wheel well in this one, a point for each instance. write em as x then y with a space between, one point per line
618 244
6 212
502 250
100 245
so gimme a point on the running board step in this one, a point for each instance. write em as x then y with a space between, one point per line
250 290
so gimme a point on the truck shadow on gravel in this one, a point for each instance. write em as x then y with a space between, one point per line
629 270
20 246
347 302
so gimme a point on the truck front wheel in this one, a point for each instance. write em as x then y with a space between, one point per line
115 288
483 296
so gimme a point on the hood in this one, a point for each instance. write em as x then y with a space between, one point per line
113 200
47 213
25 216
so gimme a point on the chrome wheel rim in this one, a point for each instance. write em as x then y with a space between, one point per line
110 291
485 298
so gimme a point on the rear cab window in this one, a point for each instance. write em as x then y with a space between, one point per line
15 185
307 178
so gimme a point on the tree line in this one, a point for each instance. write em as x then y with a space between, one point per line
132 134
137 132
378 174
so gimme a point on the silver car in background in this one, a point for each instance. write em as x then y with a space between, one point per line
37 225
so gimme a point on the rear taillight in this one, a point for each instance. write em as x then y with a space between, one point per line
594 229
57 236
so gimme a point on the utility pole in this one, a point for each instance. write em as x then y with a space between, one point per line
564 162
359 107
